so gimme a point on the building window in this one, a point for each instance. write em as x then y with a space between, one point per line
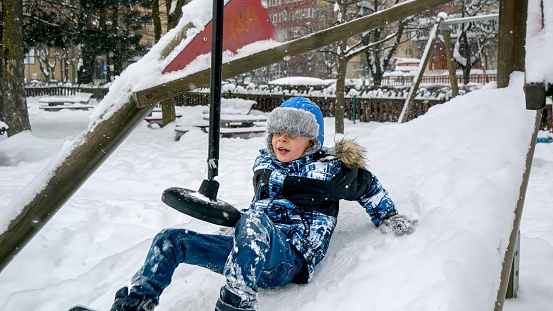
29 57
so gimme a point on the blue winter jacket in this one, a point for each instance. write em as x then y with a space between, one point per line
301 198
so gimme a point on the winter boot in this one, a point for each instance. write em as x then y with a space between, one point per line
229 301
131 302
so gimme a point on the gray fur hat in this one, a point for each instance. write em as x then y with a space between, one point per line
297 117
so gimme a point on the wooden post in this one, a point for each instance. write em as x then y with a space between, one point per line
403 117
98 144
450 61
512 38
66 179
511 247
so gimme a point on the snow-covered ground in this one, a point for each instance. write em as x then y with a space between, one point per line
457 169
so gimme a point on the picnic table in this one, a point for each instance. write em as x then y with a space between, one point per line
235 120
227 132
79 101
238 120
156 117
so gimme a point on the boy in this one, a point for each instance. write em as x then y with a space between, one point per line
286 231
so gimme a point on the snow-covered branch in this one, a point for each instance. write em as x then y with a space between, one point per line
358 49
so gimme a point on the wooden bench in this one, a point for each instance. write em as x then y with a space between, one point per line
239 120
225 132
235 106
235 120
203 126
179 131
155 117
66 107
242 131
79 101
157 120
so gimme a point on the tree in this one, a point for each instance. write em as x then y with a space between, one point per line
2 116
13 79
474 37
174 14
380 44
49 27
111 28
156 20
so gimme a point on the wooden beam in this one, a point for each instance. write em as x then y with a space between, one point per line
433 35
292 48
66 179
450 62
512 39
108 134
511 247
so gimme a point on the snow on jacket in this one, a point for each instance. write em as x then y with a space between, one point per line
301 197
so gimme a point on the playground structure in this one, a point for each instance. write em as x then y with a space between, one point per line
109 133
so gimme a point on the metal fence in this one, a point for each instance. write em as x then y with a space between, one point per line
32 91
366 109
436 79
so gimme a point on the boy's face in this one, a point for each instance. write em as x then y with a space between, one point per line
288 148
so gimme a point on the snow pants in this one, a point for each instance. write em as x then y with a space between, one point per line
258 255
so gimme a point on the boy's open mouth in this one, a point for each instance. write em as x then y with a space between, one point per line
281 149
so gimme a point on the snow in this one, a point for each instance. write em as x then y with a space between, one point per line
299 81
539 42
457 169
475 18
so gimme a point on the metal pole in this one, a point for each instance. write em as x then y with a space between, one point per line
354 112
215 89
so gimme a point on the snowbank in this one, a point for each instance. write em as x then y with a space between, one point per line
457 169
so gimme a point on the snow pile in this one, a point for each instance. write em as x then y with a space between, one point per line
539 42
457 169
295 81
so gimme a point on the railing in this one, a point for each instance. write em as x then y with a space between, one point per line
99 92
367 109
434 79
64 91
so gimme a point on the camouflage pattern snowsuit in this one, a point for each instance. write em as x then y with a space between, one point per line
301 197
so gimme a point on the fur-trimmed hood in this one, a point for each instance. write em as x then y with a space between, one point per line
350 153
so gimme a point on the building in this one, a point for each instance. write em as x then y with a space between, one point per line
294 19
416 38
51 65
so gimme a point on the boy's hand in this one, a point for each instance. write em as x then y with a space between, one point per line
398 224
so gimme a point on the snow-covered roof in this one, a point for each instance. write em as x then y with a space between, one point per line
407 60
299 81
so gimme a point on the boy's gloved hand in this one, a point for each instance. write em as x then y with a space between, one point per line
398 224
